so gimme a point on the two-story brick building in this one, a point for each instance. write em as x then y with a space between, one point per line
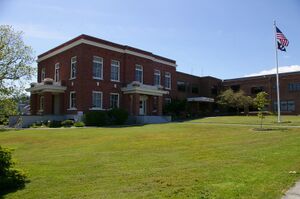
87 73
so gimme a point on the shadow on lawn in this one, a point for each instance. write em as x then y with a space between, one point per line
7 191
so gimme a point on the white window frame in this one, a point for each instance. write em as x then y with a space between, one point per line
117 66
57 68
101 100
100 61
70 101
73 61
43 73
118 104
157 73
139 69
42 103
168 75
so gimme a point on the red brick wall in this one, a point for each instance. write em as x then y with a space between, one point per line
84 83
269 84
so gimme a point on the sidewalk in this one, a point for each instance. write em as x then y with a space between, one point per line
293 193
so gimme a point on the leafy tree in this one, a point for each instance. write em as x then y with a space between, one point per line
236 100
8 106
260 101
15 68
176 107
15 60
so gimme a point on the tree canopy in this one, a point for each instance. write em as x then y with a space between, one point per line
15 60
236 100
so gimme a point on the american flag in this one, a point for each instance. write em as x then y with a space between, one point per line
281 38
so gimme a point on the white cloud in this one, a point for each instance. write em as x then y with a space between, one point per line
282 69
38 31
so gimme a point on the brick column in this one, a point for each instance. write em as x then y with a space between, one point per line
159 105
33 104
150 105
136 104
62 104
48 103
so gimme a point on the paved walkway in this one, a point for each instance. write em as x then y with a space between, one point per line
293 193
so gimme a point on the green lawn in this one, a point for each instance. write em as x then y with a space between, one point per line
286 120
175 160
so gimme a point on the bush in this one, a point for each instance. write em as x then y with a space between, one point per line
96 118
79 124
10 178
118 116
40 124
67 123
54 124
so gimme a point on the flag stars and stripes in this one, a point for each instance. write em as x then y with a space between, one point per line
281 38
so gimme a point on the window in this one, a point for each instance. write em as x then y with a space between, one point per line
235 88
195 89
72 100
294 86
168 80
97 67
73 67
114 100
257 89
115 71
97 99
156 77
41 103
56 72
43 74
139 73
181 86
288 105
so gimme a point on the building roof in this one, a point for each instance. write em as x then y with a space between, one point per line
86 39
261 76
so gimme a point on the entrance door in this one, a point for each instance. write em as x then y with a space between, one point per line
142 110
56 105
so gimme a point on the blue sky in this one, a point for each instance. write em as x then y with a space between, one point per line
225 39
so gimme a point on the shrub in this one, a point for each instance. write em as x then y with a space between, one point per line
96 118
54 124
118 116
67 123
79 124
10 178
40 124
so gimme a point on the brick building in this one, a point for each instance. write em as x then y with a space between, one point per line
289 90
87 73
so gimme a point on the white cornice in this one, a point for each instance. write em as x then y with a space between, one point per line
46 88
136 87
104 46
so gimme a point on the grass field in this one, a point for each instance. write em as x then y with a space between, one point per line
175 160
286 120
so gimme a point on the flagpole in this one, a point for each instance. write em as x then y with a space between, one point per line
277 76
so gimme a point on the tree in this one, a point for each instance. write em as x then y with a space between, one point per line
260 101
15 68
236 100
15 60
